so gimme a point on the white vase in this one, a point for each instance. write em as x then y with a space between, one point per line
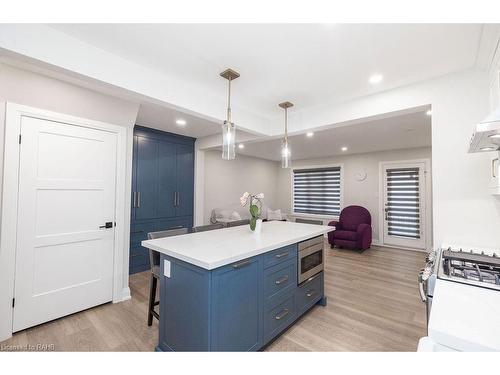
258 226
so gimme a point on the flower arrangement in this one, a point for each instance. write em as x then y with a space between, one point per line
254 201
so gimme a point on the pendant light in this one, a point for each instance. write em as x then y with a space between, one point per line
286 155
228 128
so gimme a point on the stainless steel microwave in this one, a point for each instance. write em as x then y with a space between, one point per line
310 258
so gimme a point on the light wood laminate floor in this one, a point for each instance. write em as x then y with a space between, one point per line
373 305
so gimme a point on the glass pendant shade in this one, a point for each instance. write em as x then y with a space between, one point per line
228 128
228 141
286 155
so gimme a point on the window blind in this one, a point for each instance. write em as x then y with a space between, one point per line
403 202
317 191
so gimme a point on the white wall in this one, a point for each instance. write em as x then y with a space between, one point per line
225 181
464 211
23 87
365 193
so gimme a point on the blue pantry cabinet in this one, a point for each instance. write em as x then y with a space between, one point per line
162 188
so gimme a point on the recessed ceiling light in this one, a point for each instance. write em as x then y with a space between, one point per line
494 136
180 122
310 134
344 148
376 78
488 148
429 112
241 145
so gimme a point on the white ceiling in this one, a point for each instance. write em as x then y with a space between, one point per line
164 118
307 64
403 131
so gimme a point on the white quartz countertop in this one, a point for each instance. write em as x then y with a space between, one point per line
465 317
216 248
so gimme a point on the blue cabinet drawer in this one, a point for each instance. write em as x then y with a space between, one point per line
308 293
280 255
138 250
139 232
139 262
279 278
277 318
179 222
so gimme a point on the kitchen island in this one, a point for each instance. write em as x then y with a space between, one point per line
234 290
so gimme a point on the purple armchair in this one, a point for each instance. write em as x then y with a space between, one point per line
353 230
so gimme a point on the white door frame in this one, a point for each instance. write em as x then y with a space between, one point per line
8 241
427 202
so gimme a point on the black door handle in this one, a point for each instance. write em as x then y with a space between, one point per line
108 225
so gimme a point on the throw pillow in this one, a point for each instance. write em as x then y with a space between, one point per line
235 216
274 215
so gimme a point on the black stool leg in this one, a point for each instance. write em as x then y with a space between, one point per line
152 295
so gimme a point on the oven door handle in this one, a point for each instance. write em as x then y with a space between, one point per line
421 288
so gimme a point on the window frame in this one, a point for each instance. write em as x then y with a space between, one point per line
317 216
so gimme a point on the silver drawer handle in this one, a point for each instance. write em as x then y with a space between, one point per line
282 314
282 280
493 167
311 293
241 264
281 255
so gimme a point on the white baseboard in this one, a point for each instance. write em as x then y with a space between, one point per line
125 295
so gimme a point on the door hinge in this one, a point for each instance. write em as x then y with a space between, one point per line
13 302
19 138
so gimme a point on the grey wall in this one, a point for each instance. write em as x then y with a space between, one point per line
35 90
225 181
365 193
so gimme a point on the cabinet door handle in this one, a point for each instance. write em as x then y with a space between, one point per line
282 280
285 254
134 200
493 167
242 264
282 314
178 199
138 199
310 293
175 199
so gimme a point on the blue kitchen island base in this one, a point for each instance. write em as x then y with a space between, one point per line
241 306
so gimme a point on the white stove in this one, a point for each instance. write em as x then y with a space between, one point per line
470 267
464 290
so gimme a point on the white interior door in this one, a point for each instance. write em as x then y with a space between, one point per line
64 260
404 205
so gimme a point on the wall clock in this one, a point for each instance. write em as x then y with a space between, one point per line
361 176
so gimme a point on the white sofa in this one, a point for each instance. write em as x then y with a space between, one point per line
235 212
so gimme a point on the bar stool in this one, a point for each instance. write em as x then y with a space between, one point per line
154 261
237 223
204 228
309 221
